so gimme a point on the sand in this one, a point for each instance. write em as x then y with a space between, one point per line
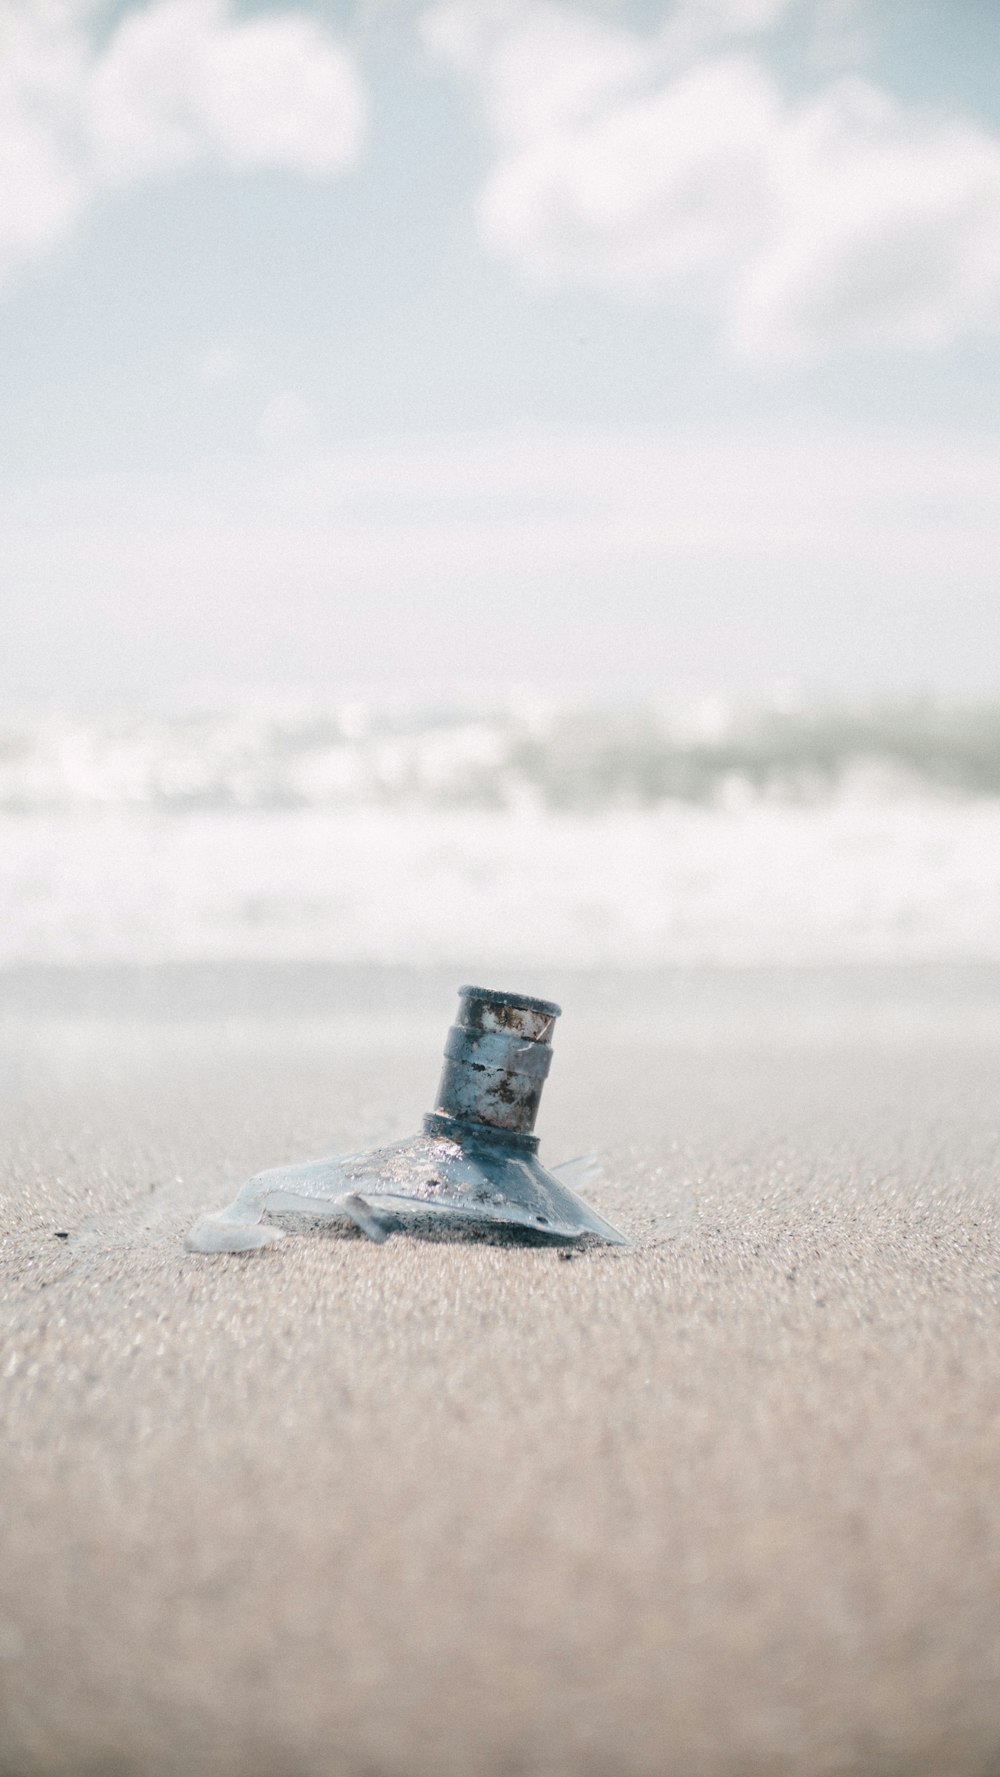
725 1503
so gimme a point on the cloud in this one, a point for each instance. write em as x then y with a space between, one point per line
673 166
538 67
171 85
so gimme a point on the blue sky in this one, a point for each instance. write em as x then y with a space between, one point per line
633 347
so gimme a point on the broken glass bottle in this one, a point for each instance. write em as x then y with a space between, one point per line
474 1166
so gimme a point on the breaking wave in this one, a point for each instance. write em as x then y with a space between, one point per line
524 753
522 835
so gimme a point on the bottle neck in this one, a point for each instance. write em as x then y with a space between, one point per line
496 1060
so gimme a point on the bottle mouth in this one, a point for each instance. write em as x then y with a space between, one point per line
524 1002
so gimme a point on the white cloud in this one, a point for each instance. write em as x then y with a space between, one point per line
175 83
888 229
644 195
674 166
540 66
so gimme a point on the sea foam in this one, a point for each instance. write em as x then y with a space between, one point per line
520 835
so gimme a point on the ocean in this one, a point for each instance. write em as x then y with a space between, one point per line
532 832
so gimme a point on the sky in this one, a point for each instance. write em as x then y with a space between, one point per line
610 348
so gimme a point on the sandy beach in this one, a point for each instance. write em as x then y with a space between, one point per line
721 1504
